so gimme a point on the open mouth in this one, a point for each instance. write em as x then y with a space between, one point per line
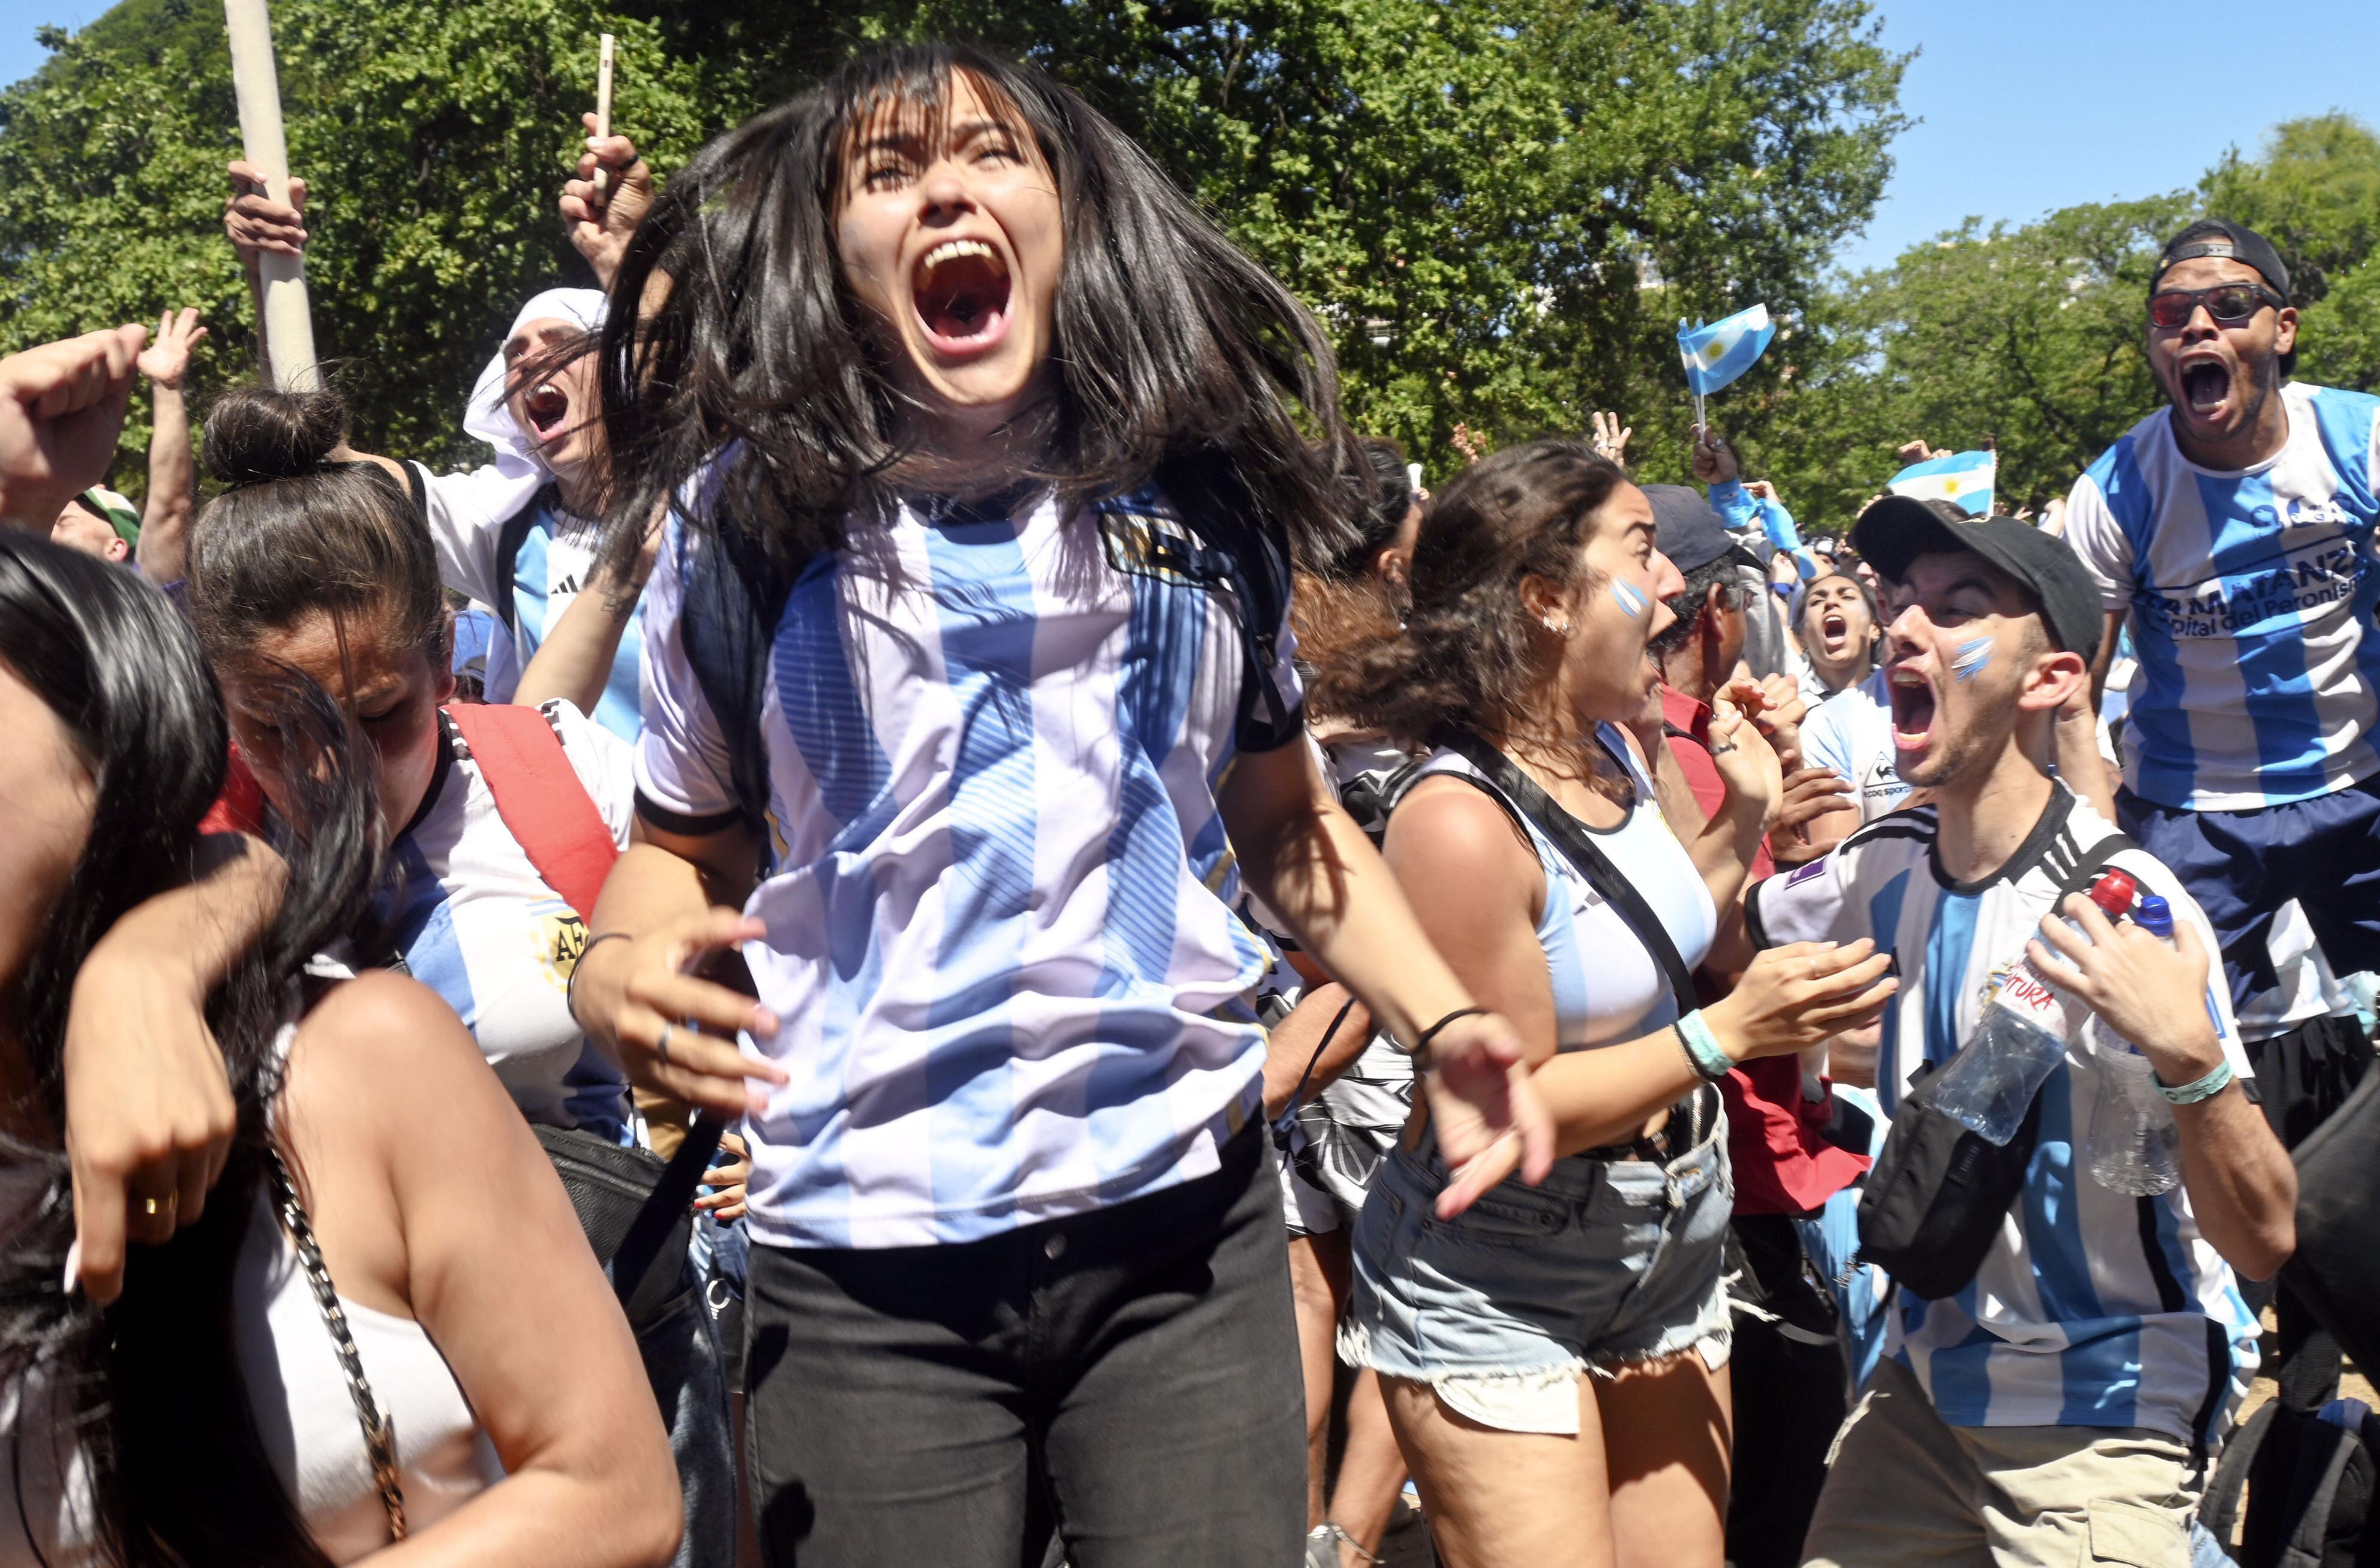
2205 385
961 291
1912 708
548 408
1834 632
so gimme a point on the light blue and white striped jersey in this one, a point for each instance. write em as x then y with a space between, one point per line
1608 987
1001 935
1851 733
2092 1308
552 563
2252 596
476 924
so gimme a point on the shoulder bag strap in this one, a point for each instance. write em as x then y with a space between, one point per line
539 796
1578 847
380 1434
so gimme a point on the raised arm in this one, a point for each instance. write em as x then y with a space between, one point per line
172 476
61 408
600 223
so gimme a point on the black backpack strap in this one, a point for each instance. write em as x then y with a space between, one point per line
727 623
509 539
1520 794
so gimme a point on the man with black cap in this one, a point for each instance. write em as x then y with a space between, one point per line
2057 1408
2235 527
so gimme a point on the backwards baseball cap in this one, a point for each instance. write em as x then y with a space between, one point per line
1687 531
2223 238
1898 529
117 512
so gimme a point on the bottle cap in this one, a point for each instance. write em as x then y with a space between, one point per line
2155 915
2113 893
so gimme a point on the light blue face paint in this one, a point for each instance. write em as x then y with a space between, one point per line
1626 596
1973 654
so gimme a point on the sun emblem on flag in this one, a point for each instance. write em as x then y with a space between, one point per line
1714 351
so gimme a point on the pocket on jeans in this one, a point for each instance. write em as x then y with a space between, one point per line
2136 1537
1509 1216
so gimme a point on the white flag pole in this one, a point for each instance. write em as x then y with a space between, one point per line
1698 411
603 109
288 325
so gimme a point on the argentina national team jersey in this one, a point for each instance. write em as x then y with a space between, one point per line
2252 596
1001 927
2092 1309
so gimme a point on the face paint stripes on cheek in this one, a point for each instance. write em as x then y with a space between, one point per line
1972 655
1629 597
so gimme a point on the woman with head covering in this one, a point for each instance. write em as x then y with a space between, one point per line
516 534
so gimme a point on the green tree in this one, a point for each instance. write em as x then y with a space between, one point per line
1474 194
2316 194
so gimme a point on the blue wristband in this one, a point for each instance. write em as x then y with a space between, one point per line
2206 1088
1702 1046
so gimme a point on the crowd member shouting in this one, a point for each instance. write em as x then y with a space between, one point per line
1849 733
519 535
2234 529
470 1387
1555 1359
985 466
309 565
2066 1398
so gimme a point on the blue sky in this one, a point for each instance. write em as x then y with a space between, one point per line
2025 105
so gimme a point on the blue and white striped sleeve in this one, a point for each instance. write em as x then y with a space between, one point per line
684 775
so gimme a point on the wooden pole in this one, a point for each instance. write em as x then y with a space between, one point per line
288 324
603 110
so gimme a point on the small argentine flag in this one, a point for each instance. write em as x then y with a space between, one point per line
1963 478
1717 353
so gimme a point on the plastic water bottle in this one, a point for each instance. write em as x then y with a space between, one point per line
2019 1041
2133 1146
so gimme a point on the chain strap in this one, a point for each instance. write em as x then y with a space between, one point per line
380 1434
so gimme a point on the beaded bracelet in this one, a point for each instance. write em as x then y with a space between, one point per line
2205 1088
1702 1047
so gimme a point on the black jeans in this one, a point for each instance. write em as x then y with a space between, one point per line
1127 1378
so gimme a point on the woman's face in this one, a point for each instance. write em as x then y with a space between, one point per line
1835 625
1609 613
952 235
561 411
392 689
47 795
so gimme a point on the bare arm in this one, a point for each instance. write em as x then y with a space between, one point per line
173 477
2099 666
600 223
575 660
149 1109
1314 1045
431 1199
61 408
1306 858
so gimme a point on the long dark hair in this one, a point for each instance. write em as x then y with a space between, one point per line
1470 655
151 1391
1179 359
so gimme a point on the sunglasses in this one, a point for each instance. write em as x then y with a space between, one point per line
2229 303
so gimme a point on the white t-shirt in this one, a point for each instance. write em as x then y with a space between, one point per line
2252 596
476 924
2092 1308
1002 927
1852 733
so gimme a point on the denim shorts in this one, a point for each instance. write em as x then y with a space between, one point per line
1608 1261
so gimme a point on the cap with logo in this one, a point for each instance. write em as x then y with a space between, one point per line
1898 529
2222 238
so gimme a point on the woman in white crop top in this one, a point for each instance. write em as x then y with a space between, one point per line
1537 588
211 1417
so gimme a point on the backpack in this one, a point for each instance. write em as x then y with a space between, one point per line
734 598
2310 1476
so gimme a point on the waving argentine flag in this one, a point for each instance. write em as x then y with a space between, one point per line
1963 478
1720 352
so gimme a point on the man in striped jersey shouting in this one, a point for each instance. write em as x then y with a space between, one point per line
2060 1405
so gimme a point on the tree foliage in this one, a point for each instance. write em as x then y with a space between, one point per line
1472 193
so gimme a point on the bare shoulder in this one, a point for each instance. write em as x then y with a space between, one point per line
384 1053
1450 834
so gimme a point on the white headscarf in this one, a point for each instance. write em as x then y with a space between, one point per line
487 497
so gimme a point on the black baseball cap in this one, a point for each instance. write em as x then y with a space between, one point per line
2222 238
1898 529
1687 531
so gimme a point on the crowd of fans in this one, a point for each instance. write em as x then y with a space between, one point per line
938 920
